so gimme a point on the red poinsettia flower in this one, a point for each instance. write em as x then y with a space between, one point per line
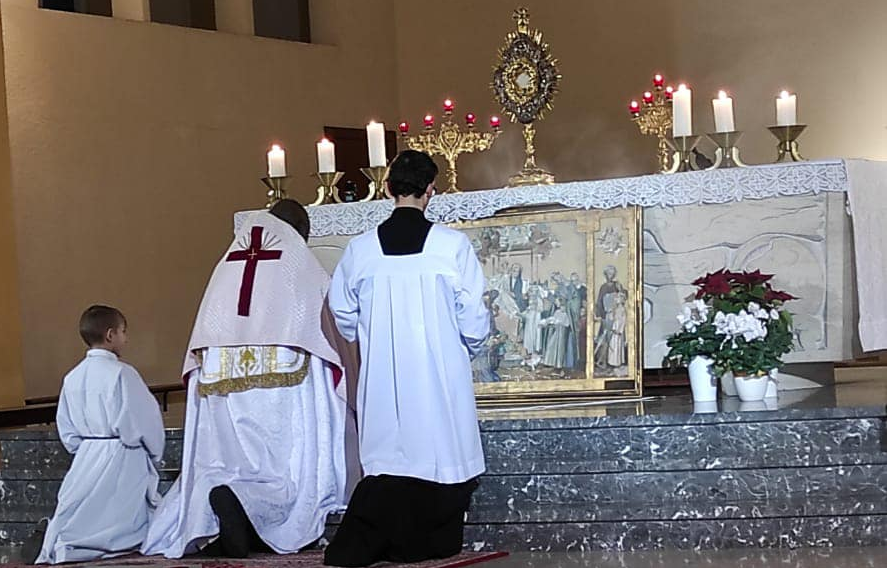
713 284
749 278
702 280
771 295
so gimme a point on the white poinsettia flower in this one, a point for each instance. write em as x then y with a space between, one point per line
774 314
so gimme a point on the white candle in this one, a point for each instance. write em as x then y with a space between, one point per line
682 112
376 143
326 156
786 109
276 162
723 107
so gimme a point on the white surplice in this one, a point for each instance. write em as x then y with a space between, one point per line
265 408
418 319
110 421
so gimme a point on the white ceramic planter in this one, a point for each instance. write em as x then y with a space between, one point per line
703 384
751 389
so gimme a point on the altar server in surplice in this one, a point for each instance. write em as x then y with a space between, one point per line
111 422
264 459
411 294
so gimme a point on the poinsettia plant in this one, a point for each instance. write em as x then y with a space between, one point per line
738 320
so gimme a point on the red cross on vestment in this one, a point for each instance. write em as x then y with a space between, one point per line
252 255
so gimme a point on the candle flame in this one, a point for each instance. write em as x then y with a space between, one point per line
722 95
783 95
657 77
276 148
325 141
682 87
372 123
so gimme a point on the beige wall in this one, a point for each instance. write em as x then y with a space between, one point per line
12 386
133 144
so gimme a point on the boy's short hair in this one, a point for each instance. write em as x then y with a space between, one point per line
292 213
96 321
410 173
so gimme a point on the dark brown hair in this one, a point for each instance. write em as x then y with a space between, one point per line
96 321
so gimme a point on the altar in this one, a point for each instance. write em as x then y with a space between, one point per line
788 219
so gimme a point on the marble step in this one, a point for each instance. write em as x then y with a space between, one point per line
609 448
873 503
666 486
30 499
704 534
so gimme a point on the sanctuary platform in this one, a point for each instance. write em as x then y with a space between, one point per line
808 470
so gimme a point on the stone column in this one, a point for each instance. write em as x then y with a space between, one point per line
235 16
12 383
138 10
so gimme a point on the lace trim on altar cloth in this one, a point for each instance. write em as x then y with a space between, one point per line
242 384
714 186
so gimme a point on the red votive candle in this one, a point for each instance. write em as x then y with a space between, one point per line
448 105
404 127
669 92
428 120
658 80
648 97
634 108
470 119
494 121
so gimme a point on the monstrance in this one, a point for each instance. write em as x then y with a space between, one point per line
525 81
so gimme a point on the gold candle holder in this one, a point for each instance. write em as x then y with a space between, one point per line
377 175
727 154
684 160
326 191
654 118
276 189
788 142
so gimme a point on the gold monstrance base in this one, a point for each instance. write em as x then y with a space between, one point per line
531 174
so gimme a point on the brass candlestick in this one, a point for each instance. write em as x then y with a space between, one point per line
276 189
377 176
788 142
525 82
450 142
727 154
326 191
684 160
654 118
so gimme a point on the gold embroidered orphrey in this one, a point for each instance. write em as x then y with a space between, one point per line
243 368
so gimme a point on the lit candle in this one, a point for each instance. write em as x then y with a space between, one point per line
494 121
648 97
276 162
634 108
404 127
448 105
376 143
669 92
326 156
786 109
723 107
428 121
470 119
682 118
658 80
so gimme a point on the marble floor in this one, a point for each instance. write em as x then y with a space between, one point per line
868 557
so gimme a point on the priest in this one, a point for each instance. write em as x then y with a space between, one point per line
412 293
263 461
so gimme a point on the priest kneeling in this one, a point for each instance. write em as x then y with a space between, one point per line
264 459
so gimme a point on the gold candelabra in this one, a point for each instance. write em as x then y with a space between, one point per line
788 142
276 189
654 117
326 191
450 140
377 176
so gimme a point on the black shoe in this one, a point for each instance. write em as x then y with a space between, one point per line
32 545
234 535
